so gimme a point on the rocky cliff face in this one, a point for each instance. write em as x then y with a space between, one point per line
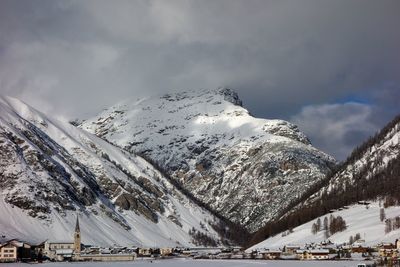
51 170
246 168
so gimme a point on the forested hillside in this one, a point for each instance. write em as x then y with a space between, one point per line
371 172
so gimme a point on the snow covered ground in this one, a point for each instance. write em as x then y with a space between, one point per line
209 263
359 219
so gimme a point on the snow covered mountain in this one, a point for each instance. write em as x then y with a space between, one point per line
371 173
50 171
365 162
245 168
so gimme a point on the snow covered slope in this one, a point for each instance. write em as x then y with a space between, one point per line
247 169
50 171
371 172
365 162
362 219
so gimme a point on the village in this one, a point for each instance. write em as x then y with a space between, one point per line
19 251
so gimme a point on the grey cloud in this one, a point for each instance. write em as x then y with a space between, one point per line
76 57
336 128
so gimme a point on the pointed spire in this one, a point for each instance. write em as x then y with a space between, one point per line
77 229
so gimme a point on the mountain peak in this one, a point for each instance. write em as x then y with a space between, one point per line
212 145
230 95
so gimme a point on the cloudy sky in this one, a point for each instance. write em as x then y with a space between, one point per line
332 67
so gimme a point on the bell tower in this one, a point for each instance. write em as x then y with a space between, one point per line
77 237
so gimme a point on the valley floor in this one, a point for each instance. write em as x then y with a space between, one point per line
198 263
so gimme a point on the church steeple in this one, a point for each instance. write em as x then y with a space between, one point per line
77 237
77 229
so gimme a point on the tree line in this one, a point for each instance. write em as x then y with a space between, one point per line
330 227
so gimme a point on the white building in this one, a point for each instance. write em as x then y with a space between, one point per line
8 252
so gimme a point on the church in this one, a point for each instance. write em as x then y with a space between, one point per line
61 250
72 250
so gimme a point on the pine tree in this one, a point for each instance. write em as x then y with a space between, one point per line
388 226
318 224
326 234
382 215
396 222
337 224
314 228
326 223
357 237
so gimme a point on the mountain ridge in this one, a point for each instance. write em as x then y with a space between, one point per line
51 170
211 145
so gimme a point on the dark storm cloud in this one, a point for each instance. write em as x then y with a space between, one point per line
76 57
339 127
336 128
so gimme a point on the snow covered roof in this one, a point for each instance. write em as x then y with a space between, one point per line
64 251
329 246
313 251
270 251
17 243
7 243
319 251
59 242
292 246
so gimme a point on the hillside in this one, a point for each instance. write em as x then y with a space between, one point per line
371 172
360 219
51 171
208 143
